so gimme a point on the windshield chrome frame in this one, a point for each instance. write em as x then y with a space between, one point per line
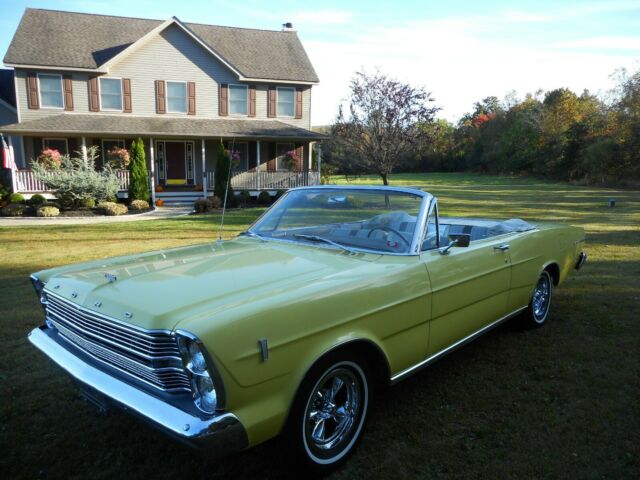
418 233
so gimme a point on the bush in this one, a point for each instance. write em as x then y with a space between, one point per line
112 209
13 210
264 198
215 202
279 193
47 211
77 180
223 165
87 203
138 205
51 203
243 198
37 200
202 205
16 198
138 183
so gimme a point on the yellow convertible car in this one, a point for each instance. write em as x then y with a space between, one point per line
288 328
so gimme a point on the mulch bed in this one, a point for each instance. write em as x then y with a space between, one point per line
85 212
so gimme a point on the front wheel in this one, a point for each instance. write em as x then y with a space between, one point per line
537 312
329 413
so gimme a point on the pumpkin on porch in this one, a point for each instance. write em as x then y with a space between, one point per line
198 188
159 202
159 188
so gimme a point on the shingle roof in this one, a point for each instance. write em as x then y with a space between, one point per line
75 124
80 40
7 87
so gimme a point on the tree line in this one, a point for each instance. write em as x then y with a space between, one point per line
387 126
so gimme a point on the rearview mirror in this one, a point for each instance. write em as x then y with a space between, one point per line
461 240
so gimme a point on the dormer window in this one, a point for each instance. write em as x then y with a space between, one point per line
177 97
51 91
111 94
286 101
238 104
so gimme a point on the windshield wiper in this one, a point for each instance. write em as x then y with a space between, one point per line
253 235
316 238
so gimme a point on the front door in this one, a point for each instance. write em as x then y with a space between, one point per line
470 287
175 155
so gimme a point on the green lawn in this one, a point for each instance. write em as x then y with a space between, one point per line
559 402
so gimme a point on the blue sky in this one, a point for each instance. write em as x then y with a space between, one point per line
460 50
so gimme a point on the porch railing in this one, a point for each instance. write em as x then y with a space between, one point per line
27 183
268 180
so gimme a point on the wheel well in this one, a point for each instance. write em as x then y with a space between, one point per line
554 271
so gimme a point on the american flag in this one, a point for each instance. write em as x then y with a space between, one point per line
8 159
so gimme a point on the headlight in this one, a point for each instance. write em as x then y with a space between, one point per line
199 366
38 286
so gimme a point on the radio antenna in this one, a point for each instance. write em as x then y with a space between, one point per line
226 190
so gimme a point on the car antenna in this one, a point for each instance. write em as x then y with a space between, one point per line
226 190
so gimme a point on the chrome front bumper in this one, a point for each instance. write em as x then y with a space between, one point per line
221 434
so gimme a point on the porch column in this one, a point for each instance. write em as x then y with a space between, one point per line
83 148
319 162
14 167
152 157
309 165
204 172
258 164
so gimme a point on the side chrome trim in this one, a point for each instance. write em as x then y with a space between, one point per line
222 433
436 356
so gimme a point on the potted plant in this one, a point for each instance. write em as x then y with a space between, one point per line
50 158
119 158
290 160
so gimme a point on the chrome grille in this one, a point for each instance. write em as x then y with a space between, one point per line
147 355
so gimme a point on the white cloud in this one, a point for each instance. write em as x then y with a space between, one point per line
600 43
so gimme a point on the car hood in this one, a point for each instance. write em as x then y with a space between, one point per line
158 290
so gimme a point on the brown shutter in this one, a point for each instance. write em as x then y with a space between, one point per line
223 101
126 95
191 96
299 102
32 90
67 88
271 107
252 100
161 105
300 161
94 99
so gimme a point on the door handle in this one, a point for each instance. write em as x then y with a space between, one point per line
502 247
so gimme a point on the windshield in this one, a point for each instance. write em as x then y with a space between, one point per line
352 219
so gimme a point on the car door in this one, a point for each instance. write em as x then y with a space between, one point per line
470 288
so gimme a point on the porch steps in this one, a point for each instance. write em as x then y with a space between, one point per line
179 198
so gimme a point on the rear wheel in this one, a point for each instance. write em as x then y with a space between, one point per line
537 312
329 413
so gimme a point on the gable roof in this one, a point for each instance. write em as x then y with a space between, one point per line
68 40
7 87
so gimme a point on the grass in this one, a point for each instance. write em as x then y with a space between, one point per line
559 402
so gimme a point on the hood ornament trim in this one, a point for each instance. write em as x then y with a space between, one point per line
110 277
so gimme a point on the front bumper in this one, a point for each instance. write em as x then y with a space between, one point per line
221 434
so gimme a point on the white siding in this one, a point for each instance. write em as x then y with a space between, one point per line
172 55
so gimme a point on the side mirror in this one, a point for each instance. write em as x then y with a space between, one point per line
461 240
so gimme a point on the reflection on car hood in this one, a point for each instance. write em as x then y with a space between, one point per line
160 289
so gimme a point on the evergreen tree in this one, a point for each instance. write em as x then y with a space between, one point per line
222 173
138 180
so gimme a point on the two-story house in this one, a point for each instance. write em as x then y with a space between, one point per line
83 79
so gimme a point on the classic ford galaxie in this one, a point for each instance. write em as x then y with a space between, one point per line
287 328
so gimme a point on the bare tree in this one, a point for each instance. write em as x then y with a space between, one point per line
384 122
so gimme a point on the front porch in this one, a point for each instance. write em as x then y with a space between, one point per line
268 155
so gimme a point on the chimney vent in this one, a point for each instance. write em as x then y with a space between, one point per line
288 27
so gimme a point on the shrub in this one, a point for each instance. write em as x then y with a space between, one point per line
13 210
243 198
119 158
264 198
16 198
279 193
4 190
223 166
77 180
215 202
47 211
51 203
86 203
138 205
37 200
203 205
113 209
50 158
138 182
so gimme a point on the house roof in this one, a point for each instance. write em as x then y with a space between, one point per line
7 87
86 41
128 125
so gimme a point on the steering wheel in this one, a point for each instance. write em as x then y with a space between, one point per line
392 230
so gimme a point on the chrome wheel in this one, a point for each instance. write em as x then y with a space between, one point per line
541 298
335 412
